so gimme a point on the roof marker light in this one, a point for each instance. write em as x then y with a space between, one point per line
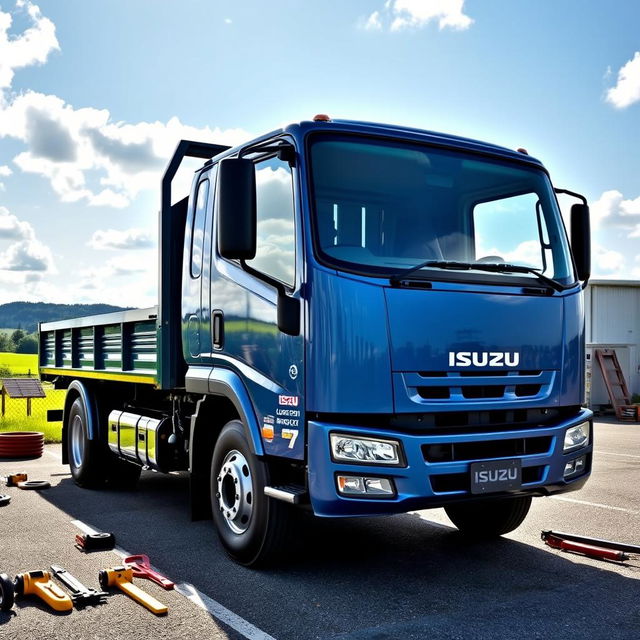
321 117
522 150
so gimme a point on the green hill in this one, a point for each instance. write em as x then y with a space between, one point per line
26 315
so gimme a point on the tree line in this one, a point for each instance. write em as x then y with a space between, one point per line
19 342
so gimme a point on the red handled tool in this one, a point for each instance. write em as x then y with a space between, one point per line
591 547
141 568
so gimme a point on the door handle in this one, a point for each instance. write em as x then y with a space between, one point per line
217 328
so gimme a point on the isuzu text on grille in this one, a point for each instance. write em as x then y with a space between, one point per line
483 359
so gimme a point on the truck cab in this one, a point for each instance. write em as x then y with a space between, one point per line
370 319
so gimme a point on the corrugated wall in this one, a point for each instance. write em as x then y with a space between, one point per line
613 320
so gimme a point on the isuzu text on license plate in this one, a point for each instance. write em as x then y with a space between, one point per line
497 475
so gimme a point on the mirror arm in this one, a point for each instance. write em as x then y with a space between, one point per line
574 194
284 150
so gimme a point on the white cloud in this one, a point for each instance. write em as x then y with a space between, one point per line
627 89
607 261
13 229
87 157
373 22
26 253
32 46
127 239
613 210
5 171
128 280
404 14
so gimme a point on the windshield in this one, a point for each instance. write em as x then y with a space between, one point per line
382 208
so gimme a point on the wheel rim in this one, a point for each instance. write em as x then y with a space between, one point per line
235 491
77 441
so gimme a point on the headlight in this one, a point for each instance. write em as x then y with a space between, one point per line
576 437
365 450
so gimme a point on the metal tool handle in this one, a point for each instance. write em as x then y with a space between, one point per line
155 606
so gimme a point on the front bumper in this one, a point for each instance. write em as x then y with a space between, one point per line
427 482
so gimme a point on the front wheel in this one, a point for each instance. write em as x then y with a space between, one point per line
252 527
488 519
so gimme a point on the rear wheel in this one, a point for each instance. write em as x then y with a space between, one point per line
488 519
252 527
92 464
86 457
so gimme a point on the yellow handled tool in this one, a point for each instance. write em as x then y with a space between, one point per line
122 577
38 583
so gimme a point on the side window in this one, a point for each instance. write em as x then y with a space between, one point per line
512 229
197 231
275 254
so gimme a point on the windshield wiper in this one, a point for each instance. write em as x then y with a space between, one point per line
454 265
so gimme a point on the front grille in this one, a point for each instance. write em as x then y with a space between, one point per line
460 482
460 386
442 422
486 450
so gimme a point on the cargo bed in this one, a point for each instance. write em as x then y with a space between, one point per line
121 346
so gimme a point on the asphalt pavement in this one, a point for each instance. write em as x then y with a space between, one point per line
407 576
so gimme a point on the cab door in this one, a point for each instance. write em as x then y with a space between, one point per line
193 266
244 301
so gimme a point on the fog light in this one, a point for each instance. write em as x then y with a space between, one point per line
575 467
367 450
576 437
364 486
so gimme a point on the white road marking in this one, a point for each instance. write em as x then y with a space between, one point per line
217 610
611 453
597 504
53 455
222 613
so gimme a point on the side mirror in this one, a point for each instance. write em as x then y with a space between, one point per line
581 240
236 209
288 314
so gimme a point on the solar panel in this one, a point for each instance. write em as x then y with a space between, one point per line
23 388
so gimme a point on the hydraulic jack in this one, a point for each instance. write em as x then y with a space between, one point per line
122 577
80 594
38 583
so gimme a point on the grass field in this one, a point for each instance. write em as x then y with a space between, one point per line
15 418
20 363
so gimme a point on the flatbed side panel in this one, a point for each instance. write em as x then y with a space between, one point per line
120 346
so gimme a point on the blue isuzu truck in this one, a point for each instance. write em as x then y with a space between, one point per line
354 319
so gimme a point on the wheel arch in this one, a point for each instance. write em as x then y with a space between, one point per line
226 399
78 389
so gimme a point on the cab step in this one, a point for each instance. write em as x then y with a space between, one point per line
291 493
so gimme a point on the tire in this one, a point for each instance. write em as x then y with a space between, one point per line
86 457
92 464
489 519
7 593
21 444
252 527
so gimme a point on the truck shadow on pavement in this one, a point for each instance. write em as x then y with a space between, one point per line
377 578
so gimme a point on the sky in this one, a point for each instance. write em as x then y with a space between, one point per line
94 97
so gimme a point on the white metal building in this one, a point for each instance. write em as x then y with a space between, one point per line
613 321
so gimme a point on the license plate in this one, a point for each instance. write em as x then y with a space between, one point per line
494 476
